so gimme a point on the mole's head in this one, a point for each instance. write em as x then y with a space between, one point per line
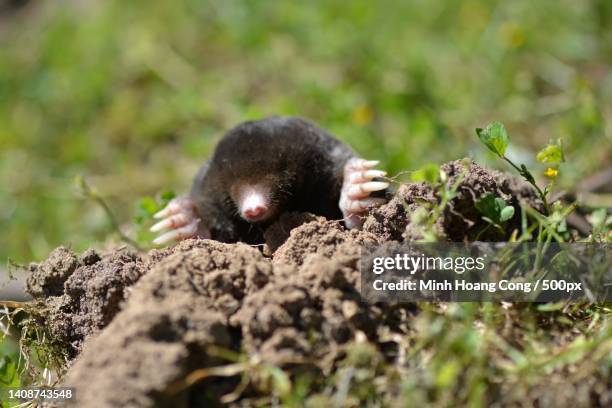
257 163
259 200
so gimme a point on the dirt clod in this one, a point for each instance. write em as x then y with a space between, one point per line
460 220
326 238
278 232
47 279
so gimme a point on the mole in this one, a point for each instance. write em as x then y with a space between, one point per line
260 169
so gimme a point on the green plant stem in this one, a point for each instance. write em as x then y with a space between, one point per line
109 213
540 192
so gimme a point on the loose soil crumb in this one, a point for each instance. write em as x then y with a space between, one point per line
140 326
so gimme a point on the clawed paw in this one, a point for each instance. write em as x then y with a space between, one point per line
358 184
179 219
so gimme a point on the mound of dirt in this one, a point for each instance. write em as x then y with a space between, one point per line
81 295
460 220
144 327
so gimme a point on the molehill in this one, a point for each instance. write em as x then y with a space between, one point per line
136 329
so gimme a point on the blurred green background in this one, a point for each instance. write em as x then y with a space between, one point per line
132 95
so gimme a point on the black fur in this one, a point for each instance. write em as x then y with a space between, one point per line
301 162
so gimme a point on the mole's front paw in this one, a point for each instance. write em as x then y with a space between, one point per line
180 218
357 186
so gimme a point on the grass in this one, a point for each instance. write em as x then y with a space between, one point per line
133 96
460 354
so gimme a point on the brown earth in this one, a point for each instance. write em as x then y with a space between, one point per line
137 329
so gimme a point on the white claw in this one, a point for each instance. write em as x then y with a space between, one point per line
161 214
177 220
187 231
370 163
360 164
175 206
172 208
161 225
366 175
358 183
362 205
362 190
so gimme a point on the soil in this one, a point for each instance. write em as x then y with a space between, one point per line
137 329
460 221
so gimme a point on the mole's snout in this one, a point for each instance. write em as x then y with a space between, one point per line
255 213
254 206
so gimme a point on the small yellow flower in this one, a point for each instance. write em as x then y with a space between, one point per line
551 172
363 115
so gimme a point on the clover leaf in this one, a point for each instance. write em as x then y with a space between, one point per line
494 209
495 137
551 153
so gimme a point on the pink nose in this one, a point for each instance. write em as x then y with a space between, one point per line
255 212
